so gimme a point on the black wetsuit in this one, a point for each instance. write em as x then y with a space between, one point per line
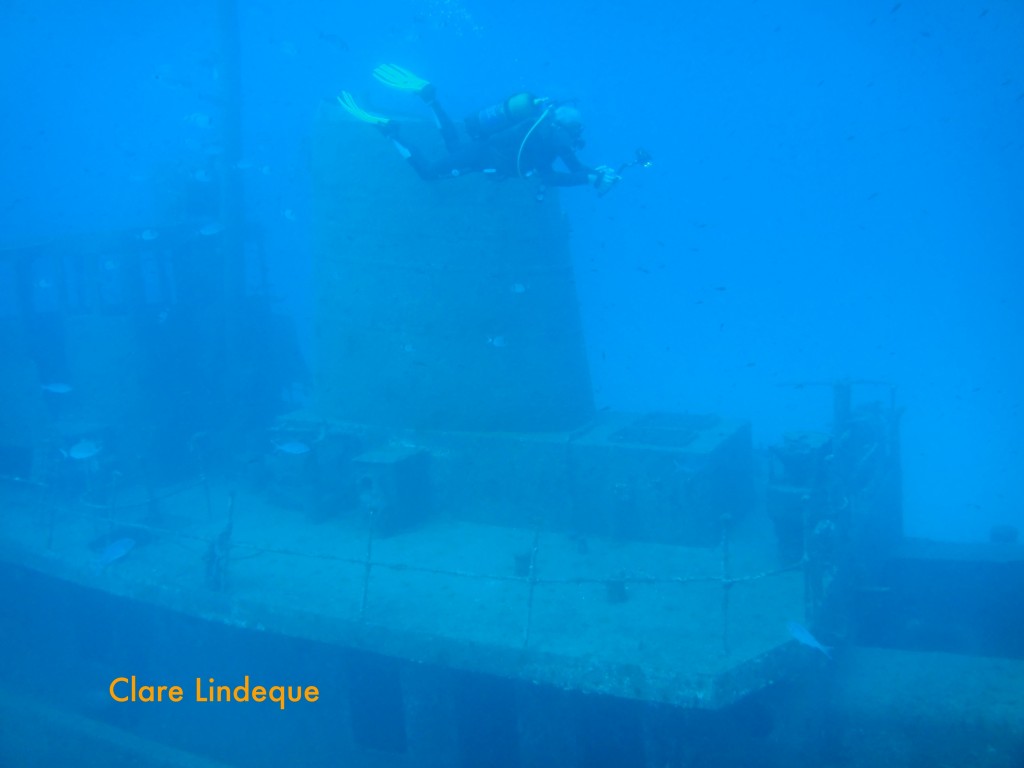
523 149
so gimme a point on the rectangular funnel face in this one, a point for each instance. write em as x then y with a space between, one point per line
443 305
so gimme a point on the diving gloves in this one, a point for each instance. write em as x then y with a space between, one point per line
604 178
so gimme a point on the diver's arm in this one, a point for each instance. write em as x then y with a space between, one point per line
561 179
602 178
578 174
573 163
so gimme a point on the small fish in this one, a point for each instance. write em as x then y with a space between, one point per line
56 388
498 342
198 119
518 288
211 229
113 552
803 636
293 447
149 234
82 450
335 40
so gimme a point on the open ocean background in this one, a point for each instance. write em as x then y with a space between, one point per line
838 189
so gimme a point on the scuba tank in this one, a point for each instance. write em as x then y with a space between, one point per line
515 109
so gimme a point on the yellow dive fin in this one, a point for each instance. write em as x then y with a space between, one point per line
350 106
395 77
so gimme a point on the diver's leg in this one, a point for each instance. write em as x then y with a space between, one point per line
423 167
395 76
445 124
465 158
469 157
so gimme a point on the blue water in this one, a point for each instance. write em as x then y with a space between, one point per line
836 192
837 189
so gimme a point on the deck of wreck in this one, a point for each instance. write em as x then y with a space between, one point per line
678 625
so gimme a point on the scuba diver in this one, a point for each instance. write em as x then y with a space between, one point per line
523 136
